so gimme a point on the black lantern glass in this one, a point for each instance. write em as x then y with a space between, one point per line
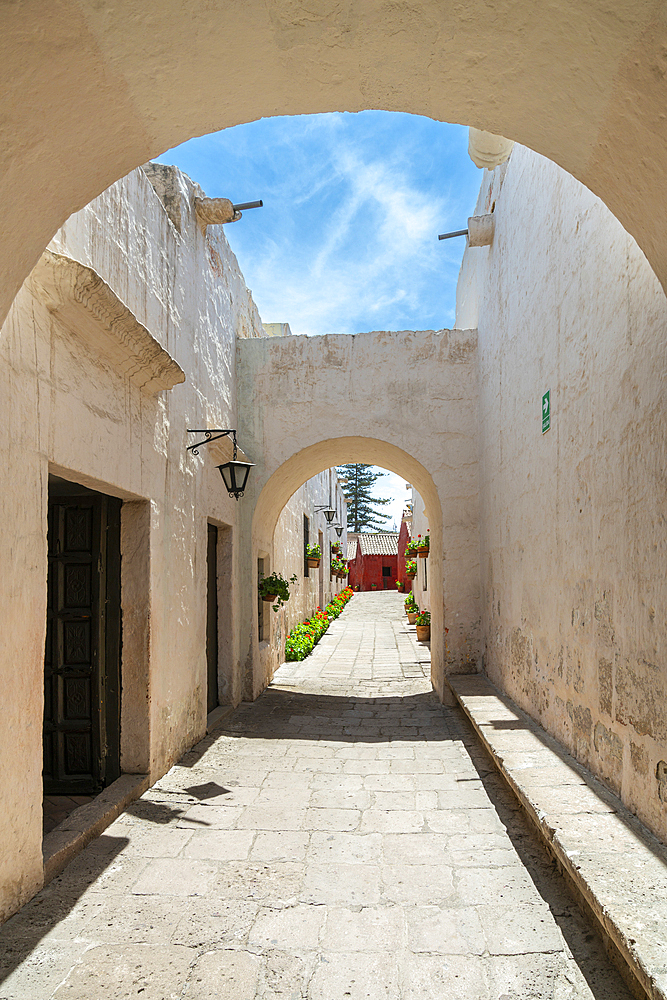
328 512
235 476
339 529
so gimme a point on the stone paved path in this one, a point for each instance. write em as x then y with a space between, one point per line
343 837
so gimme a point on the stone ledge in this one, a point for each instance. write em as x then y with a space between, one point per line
88 821
616 865
217 717
86 305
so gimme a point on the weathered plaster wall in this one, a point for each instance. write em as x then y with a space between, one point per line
67 409
305 406
420 526
317 588
573 537
91 90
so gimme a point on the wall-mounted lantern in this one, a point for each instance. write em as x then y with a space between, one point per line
328 511
234 474
338 529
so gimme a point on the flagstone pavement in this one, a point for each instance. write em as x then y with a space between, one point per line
346 836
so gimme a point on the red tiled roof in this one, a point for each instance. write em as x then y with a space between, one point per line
381 544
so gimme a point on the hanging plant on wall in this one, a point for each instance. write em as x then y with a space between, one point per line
275 588
411 568
423 545
313 555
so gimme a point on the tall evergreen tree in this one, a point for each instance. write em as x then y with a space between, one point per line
357 484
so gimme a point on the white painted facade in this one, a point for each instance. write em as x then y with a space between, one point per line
573 521
318 587
420 526
123 337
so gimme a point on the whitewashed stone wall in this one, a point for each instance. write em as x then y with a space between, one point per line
573 521
141 276
317 588
420 526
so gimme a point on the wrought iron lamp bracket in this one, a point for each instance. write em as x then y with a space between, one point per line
209 436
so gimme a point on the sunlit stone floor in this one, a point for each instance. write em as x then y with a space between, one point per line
343 837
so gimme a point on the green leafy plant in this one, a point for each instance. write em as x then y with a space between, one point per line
423 543
411 547
305 636
423 618
276 585
411 567
313 552
338 566
335 546
410 603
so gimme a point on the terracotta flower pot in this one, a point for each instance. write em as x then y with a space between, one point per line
269 598
423 552
423 633
313 563
411 576
412 617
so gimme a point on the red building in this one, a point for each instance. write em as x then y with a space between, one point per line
373 560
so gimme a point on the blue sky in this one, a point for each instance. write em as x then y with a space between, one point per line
353 204
347 240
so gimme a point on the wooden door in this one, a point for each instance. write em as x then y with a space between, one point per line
212 618
82 656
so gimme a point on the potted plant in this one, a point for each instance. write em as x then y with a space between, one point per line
423 545
335 546
411 608
399 586
313 556
275 588
411 569
411 547
423 624
338 568
374 586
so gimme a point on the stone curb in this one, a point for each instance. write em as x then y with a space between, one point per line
618 867
217 717
88 821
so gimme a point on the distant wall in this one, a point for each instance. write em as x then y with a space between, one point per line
316 588
573 521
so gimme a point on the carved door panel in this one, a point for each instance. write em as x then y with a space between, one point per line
81 664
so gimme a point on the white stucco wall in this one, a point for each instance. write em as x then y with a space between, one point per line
314 402
317 588
67 409
573 522
420 526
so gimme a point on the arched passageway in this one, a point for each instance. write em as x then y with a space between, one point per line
308 403
91 91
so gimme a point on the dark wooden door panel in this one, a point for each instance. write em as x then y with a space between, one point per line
77 671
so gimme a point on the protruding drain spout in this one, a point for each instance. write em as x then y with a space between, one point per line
219 211
479 231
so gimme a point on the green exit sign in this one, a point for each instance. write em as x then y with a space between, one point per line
546 411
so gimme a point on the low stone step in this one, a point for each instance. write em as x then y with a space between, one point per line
615 864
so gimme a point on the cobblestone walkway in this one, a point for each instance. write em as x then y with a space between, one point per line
343 837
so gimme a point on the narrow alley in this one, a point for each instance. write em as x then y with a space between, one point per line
344 836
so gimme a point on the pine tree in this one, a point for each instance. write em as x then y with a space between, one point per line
357 483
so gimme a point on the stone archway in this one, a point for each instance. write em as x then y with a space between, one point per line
335 451
91 90
308 403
